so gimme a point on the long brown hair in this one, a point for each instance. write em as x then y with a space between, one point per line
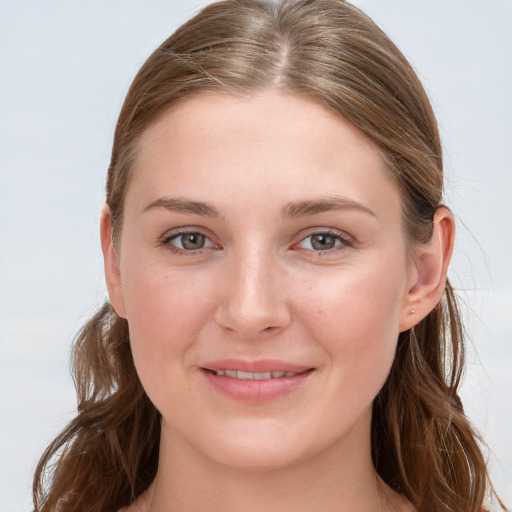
423 445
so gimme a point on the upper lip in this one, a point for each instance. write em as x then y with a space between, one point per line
259 366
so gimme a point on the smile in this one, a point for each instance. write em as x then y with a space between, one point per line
238 374
255 382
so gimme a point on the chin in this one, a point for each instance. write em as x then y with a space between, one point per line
269 445
259 457
255 445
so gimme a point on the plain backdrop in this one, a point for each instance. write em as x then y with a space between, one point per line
64 69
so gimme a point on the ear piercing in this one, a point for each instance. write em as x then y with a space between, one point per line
412 311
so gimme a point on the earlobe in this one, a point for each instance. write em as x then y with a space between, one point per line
111 264
431 267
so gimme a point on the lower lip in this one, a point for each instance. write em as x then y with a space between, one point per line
256 391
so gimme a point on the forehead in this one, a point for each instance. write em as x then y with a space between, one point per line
275 144
222 118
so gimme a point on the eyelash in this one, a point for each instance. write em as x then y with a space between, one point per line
167 243
344 239
344 242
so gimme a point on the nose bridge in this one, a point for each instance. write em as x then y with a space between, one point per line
254 300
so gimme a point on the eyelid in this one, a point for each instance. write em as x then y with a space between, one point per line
346 240
169 236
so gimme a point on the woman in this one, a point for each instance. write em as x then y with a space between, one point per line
280 333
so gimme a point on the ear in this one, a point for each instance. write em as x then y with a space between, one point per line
111 263
430 266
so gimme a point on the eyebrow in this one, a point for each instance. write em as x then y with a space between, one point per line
183 206
314 206
293 209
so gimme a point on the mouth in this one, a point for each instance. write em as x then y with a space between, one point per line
243 375
256 382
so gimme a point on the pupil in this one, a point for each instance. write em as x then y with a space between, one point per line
193 241
322 242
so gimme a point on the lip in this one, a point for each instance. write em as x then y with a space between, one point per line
255 391
259 366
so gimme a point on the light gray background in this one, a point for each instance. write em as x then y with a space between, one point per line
64 69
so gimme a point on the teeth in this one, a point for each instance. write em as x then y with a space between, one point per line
237 374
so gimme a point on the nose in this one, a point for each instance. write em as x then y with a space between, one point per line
254 298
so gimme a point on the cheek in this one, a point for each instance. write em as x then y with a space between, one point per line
166 310
355 318
358 300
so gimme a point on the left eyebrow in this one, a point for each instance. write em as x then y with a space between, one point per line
313 206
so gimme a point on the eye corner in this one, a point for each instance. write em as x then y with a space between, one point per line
197 242
324 241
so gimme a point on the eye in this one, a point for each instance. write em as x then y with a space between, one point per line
324 241
188 241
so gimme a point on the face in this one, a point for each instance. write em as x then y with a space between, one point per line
264 273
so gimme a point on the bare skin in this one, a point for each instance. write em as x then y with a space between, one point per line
266 232
389 501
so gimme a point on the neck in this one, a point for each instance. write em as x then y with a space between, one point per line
342 478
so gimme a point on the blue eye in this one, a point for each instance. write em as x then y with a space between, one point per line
324 241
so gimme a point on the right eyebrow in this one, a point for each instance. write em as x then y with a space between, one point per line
183 206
